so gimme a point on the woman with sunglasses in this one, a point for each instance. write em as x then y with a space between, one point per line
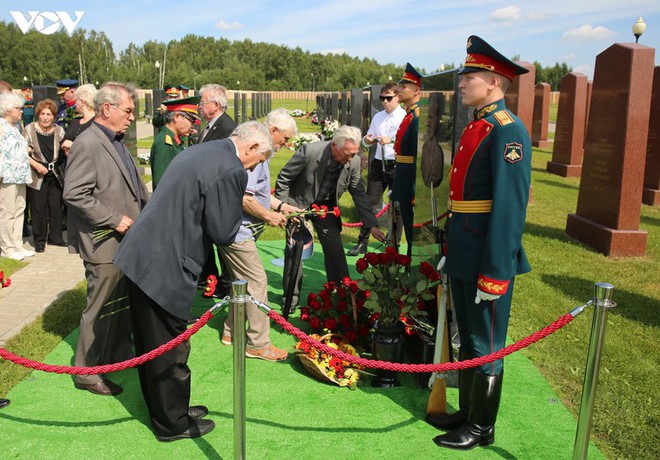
179 119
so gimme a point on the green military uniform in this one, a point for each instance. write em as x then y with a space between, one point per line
165 147
488 194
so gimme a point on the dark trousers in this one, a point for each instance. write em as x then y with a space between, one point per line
482 326
379 180
211 268
45 208
165 381
328 231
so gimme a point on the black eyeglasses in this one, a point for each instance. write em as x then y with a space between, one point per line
386 98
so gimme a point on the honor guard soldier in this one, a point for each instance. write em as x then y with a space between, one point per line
66 110
179 120
405 147
172 92
488 193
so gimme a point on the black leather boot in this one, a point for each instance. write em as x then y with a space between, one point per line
4 402
362 245
479 429
451 421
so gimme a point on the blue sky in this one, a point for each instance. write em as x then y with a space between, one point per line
427 34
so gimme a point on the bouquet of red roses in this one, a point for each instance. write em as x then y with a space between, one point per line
313 211
338 309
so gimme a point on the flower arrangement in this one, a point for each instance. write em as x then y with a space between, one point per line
396 291
328 127
327 367
4 282
339 309
301 139
297 113
313 211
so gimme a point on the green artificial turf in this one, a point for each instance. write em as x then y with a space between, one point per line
289 414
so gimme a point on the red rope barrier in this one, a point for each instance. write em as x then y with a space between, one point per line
107 368
440 367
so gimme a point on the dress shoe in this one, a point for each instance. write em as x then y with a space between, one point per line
4 402
360 248
57 243
196 429
39 247
198 411
104 388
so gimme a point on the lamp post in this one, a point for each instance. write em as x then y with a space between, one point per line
390 78
313 82
24 81
158 83
638 29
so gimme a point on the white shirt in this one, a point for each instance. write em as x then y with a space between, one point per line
385 124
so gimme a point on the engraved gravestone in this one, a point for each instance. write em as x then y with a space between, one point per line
519 96
568 150
651 192
610 196
541 116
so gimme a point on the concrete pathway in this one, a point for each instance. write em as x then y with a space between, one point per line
46 277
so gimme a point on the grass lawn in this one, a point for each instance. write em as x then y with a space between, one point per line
626 416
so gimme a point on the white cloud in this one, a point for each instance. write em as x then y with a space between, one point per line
506 16
588 32
333 51
224 25
568 57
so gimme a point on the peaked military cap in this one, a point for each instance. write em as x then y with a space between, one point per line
187 105
410 75
172 90
481 56
66 84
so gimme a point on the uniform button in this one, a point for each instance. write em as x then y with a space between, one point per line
451 193
455 169
461 148
470 126
488 129
450 215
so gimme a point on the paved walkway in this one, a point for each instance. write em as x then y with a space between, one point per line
46 277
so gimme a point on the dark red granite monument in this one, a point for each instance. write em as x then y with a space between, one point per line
610 197
519 97
651 192
568 150
541 116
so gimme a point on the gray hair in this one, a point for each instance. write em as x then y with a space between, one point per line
347 133
8 101
86 93
253 131
112 93
282 120
217 93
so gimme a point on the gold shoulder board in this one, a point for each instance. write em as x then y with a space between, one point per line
503 117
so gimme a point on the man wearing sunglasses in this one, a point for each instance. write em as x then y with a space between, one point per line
382 132
180 118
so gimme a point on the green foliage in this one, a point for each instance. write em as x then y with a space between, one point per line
551 75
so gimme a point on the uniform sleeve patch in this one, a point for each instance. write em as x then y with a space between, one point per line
513 152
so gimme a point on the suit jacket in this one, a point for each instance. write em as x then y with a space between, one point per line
299 181
98 191
493 163
221 129
199 201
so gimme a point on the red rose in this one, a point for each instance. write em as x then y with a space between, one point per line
330 323
311 296
354 287
342 305
363 331
314 322
314 305
361 265
336 211
372 258
426 269
403 259
330 286
344 321
325 294
341 292
351 336
304 316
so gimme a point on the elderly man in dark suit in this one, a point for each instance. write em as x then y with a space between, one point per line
219 125
197 203
319 173
104 192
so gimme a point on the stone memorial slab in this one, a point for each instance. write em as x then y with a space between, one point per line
568 150
236 106
334 106
243 108
343 117
541 116
610 196
519 98
39 93
356 107
651 191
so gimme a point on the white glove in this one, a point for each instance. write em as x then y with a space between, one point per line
486 297
441 263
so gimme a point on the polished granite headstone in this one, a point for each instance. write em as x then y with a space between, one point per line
610 196
356 107
568 150
651 192
541 116
343 108
519 97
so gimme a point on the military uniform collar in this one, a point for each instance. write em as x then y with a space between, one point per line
413 107
489 109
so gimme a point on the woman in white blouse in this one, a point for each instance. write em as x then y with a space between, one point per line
14 175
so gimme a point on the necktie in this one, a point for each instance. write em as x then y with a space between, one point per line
204 133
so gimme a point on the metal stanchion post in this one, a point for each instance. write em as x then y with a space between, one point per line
238 301
602 302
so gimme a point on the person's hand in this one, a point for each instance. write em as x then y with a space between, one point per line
382 140
287 209
377 233
66 145
41 169
124 225
486 297
276 219
370 139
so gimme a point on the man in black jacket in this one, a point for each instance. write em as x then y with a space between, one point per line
198 202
